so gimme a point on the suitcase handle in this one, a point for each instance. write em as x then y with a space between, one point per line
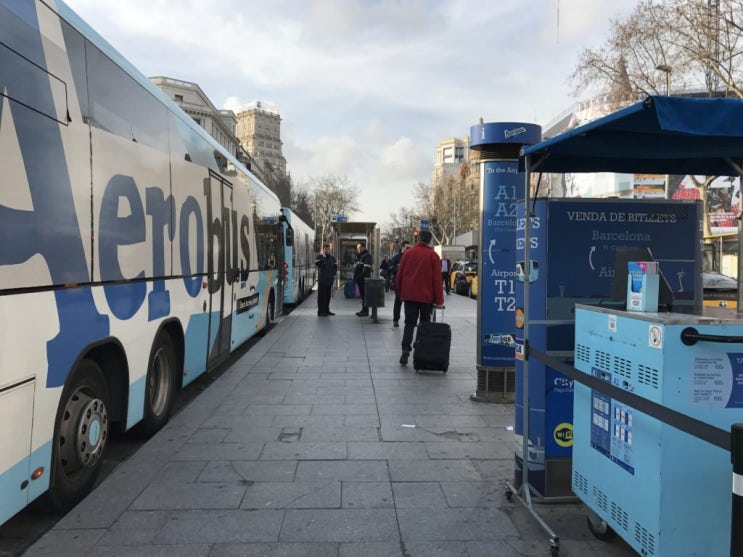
433 313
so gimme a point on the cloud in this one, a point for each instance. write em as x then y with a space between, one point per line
365 89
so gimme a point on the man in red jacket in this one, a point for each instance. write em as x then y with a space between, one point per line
419 286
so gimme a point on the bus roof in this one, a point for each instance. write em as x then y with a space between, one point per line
66 13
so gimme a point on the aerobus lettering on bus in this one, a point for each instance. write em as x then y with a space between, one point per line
121 195
141 252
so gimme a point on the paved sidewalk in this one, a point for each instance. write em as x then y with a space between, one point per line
318 443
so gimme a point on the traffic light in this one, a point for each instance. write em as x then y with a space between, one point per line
415 234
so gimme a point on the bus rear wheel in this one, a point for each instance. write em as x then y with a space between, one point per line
270 315
80 435
160 387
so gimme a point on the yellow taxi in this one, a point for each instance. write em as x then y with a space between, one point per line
462 273
473 287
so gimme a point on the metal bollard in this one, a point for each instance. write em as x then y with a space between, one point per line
736 523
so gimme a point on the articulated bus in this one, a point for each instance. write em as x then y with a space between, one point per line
299 258
136 253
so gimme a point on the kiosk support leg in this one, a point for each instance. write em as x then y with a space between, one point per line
736 454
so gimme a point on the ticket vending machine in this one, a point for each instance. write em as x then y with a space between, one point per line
663 491
579 250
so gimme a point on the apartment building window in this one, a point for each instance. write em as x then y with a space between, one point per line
179 98
459 154
448 155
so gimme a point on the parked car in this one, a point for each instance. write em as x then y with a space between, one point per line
474 283
462 273
720 290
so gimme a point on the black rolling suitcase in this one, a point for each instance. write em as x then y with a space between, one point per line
432 345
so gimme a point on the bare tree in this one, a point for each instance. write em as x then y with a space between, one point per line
452 203
403 223
302 204
331 195
668 45
710 34
280 184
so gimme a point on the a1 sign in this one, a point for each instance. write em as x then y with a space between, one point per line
425 225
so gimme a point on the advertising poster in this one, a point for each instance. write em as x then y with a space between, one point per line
723 199
501 182
723 205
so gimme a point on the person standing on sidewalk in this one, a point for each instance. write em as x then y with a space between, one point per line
445 272
419 286
362 271
384 270
326 269
394 264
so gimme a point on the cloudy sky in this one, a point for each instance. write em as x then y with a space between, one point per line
366 88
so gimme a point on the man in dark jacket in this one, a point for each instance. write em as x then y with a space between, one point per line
420 287
394 264
326 269
446 272
362 271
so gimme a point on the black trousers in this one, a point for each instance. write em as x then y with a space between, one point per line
362 287
447 280
414 311
396 308
323 298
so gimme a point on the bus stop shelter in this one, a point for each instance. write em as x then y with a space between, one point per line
367 232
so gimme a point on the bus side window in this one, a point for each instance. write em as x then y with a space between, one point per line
120 105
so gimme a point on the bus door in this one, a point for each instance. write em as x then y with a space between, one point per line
219 210
282 265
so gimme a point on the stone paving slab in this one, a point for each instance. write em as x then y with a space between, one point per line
317 443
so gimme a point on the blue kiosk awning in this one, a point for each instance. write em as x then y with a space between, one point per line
661 135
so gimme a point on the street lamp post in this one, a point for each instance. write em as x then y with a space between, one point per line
666 69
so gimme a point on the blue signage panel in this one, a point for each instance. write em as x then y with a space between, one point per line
575 246
502 184
493 133
425 224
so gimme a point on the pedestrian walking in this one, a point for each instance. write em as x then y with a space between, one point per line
327 267
446 272
419 287
361 271
394 264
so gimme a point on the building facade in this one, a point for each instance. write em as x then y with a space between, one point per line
220 124
258 130
450 154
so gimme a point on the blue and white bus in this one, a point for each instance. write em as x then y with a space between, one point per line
136 253
299 258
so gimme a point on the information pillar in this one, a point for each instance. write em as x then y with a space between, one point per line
497 146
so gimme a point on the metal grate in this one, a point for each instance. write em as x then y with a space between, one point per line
623 367
648 376
619 516
582 353
645 539
580 483
496 380
602 360
599 497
